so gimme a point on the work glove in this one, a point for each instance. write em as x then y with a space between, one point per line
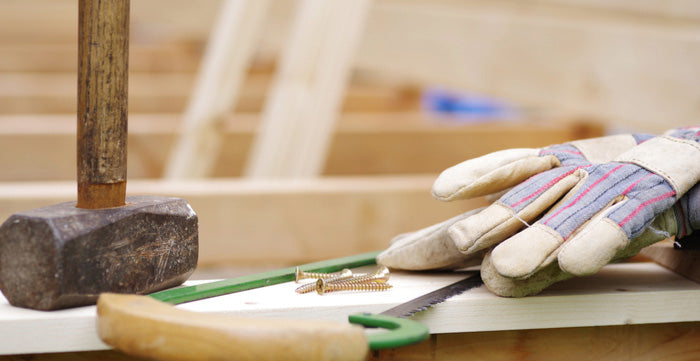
433 248
585 214
679 221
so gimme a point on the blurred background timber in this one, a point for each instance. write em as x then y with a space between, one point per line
383 94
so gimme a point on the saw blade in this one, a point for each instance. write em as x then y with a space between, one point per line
431 299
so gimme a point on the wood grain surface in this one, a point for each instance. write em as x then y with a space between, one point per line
103 73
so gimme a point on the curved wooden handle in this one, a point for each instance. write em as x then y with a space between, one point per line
144 327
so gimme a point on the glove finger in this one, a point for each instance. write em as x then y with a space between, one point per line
603 241
428 248
522 205
511 287
490 173
637 195
591 248
526 252
645 195
501 170
553 272
534 248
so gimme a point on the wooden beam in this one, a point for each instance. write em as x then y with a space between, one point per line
43 146
626 61
670 341
684 262
298 120
278 222
62 58
187 21
219 80
636 68
152 20
167 92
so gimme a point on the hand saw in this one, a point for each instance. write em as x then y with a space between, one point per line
147 326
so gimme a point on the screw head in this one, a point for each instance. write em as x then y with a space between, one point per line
382 274
298 275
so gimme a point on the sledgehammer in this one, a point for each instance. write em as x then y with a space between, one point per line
67 254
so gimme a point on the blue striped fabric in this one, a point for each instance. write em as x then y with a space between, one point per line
639 194
690 133
567 154
646 193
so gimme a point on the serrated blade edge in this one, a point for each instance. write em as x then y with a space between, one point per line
431 299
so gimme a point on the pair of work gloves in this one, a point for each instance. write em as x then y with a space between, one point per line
568 209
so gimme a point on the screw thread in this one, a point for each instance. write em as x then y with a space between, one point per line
300 275
366 279
322 286
347 274
381 275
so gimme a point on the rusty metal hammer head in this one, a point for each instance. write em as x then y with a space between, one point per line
63 256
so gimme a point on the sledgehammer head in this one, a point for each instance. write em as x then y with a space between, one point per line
62 256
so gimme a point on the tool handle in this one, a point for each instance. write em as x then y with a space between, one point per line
403 332
103 64
141 326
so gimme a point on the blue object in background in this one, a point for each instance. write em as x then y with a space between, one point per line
456 106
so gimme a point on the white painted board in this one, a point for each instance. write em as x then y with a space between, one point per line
631 293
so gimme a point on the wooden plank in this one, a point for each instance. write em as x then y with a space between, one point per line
62 58
672 341
627 342
167 92
626 61
638 71
53 21
56 92
684 262
191 21
43 146
219 81
623 294
277 222
298 120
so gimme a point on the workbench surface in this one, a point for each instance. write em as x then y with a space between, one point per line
622 294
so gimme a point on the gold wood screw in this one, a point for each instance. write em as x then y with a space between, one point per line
381 276
343 275
322 286
300 275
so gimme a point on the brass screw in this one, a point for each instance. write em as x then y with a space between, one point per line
343 275
322 286
381 276
300 275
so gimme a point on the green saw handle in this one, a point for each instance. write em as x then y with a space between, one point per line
144 327
402 332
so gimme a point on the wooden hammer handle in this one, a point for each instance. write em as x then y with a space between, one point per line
103 54
141 326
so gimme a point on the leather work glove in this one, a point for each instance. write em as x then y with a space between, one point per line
679 221
586 214
433 248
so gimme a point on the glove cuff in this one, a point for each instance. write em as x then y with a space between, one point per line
677 160
603 149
